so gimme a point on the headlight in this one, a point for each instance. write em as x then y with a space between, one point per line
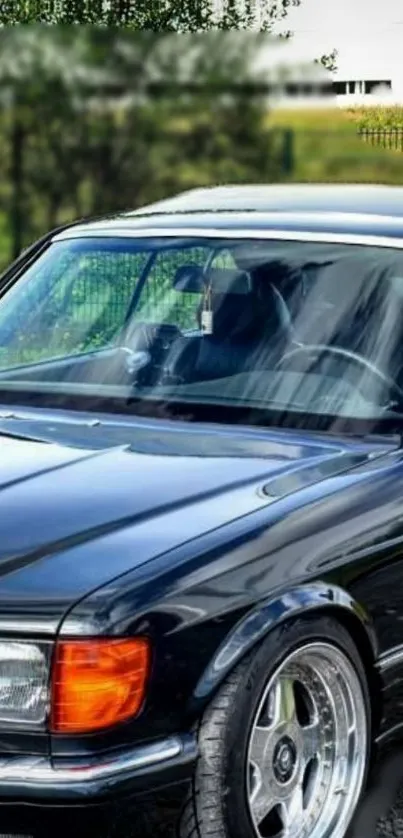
24 679
76 686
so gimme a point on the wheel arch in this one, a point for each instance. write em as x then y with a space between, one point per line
318 599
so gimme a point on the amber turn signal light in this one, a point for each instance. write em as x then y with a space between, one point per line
97 683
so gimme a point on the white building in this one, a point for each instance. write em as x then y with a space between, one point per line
361 86
375 78
295 80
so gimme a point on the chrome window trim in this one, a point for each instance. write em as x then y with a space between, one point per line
243 234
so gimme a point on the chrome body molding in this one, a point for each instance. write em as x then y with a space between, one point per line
390 659
41 771
28 629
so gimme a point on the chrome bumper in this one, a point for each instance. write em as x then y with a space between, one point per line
143 768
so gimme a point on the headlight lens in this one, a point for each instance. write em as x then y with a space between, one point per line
24 679
77 686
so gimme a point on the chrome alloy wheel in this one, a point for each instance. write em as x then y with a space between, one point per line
307 748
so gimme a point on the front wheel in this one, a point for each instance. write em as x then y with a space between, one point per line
284 745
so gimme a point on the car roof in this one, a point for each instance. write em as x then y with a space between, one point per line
346 198
357 209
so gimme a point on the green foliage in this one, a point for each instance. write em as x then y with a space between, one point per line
96 120
329 61
377 118
328 148
156 15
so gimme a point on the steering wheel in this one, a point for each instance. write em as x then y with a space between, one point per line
319 350
146 346
135 360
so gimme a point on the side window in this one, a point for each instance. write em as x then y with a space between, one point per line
224 259
95 297
159 301
75 305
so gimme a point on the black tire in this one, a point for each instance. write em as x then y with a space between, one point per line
217 803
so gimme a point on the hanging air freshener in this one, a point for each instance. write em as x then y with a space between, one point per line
207 314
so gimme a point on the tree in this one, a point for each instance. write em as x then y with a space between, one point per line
329 61
101 119
43 76
95 119
157 15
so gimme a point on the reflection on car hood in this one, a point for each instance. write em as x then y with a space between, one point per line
81 503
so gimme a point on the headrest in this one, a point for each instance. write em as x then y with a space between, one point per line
194 280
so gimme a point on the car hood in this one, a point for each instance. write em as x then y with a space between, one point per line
82 502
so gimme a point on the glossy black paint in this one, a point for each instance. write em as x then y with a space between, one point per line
148 814
348 199
203 537
367 210
118 478
103 790
309 222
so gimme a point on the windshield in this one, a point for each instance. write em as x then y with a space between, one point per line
288 333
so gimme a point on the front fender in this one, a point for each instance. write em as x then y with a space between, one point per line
271 613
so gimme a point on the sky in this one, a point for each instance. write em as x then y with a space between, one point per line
367 33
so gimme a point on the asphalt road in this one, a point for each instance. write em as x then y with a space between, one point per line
381 813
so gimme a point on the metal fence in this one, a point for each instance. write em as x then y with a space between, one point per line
390 138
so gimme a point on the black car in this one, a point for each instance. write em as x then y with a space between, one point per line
201 514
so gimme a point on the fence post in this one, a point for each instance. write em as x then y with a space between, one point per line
288 151
388 138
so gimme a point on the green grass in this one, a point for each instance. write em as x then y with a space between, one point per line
328 148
